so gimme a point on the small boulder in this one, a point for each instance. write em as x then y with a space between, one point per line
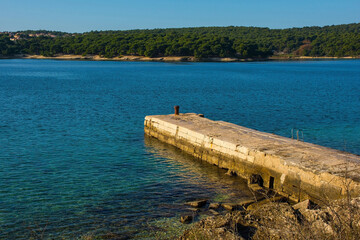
230 206
197 203
236 206
186 219
213 212
257 205
246 203
301 206
194 210
214 205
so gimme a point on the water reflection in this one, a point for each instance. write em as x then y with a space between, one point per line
198 173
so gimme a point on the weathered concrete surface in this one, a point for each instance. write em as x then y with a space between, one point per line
297 169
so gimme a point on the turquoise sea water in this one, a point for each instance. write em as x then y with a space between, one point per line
74 160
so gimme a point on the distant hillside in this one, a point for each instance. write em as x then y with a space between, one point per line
203 42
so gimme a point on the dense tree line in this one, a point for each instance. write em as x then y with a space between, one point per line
203 42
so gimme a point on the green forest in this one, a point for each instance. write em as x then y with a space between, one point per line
200 42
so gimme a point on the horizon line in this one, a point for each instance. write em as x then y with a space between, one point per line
149 29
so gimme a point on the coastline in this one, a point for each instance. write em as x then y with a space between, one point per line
172 58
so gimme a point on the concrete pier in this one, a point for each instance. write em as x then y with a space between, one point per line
293 168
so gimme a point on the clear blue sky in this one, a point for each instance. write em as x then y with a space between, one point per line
87 15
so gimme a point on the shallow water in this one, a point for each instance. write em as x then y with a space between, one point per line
74 160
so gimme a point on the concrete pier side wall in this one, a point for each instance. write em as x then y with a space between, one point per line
296 169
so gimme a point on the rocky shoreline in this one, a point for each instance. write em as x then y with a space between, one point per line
170 59
271 216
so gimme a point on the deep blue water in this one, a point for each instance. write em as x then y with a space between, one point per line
74 161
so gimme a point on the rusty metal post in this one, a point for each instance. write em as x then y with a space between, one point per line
176 108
